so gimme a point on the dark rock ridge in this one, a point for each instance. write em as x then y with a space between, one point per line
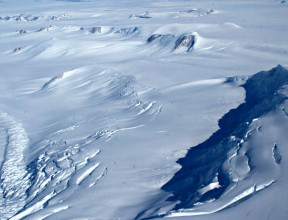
126 31
46 28
23 32
162 38
59 17
94 30
205 161
30 17
153 37
18 49
198 12
144 16
187 40
277 154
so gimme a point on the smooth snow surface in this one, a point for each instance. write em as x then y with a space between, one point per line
143 109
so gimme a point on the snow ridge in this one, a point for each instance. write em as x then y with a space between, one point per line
222 169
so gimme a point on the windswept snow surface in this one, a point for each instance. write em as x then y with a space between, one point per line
127 109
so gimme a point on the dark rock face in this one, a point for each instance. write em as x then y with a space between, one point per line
198 12
277 154
95 30
153 37
162 39
126 31
46 28
23 32
92 30
187 41
143 16
18 49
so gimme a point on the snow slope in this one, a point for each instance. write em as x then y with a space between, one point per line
99 99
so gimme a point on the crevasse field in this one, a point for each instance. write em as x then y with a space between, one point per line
144 109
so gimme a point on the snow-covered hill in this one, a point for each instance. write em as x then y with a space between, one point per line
125 109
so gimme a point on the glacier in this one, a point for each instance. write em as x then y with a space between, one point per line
143 110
